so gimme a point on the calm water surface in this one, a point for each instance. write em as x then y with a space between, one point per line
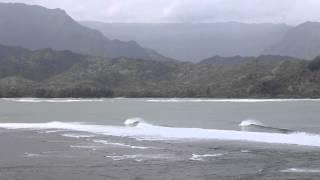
298 115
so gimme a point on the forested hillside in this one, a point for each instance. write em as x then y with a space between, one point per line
50 73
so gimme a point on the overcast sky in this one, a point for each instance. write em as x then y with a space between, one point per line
257 11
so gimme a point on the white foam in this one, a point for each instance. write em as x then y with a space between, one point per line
94 148
48 154
53 131
298 170
245 151
120 144
31 155
179 100
54 100
140 157
123 157
150 132
250 122
197 157
78 135
133 121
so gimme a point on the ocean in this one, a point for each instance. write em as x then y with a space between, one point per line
275 138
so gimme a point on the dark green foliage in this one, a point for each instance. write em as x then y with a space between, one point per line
47 74
315 64
271 87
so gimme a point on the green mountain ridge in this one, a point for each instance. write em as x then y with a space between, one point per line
50 73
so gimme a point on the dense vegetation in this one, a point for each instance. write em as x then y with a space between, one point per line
49 73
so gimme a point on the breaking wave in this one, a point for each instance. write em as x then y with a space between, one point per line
141 130
259 125
197 157
250 122
134 122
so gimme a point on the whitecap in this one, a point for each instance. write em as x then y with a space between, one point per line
94 148
250 122
131 122
140 157
245 151
198 157
299 170
246 124
120 144
52 131
78 135
123 157
32 155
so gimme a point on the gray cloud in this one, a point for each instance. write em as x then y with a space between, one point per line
258 11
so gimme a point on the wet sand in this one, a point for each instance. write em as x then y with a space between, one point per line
45 155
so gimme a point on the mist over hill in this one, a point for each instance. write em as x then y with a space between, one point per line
302 41
35 27
197 41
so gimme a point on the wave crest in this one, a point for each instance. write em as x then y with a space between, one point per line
250 122
145 131
135 122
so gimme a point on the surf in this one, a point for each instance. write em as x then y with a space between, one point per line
249 124
142 130
134 122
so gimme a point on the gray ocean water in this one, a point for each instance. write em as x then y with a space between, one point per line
297 115
161 138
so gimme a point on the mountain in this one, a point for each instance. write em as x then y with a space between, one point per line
219 60
51 73
302 41
238 60
196 41
36 27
